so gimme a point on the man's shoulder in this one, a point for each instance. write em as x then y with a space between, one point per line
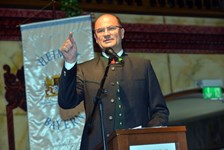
137 59
97 61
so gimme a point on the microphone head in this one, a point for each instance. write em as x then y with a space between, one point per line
109 51
113 55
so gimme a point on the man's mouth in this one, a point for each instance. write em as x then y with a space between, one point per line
107 40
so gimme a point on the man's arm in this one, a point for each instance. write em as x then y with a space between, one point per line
67 94
159 112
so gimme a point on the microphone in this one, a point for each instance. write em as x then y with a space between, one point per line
112 54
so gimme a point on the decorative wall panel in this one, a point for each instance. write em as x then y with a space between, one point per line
153 38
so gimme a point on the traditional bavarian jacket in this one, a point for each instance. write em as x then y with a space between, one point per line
132 96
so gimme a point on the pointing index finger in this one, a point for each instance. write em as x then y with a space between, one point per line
71 38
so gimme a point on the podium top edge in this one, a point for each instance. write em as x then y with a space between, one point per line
147 130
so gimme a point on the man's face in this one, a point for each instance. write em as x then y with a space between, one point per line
108 32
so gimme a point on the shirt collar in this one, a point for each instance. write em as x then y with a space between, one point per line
119 53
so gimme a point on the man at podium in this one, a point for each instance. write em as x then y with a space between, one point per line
131 95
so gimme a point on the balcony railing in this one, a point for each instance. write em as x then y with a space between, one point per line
200 8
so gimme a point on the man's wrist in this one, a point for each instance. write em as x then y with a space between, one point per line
68 65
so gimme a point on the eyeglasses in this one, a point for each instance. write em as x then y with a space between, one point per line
109 29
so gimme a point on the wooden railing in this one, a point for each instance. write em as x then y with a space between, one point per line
200 8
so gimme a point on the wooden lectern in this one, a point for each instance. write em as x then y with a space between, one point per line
123 139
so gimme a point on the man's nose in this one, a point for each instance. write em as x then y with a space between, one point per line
106 32
107 36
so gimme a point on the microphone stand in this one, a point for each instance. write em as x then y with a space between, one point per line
98 101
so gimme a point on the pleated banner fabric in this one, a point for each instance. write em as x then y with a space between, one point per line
43 62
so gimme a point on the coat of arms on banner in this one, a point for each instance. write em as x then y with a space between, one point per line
51 85
43 62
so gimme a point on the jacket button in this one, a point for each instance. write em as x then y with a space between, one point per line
110 118
113 68
112 100
112 83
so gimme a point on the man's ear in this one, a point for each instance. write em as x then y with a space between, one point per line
122 33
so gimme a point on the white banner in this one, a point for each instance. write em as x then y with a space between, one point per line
42 65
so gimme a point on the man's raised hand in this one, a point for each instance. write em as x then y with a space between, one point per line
69 49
